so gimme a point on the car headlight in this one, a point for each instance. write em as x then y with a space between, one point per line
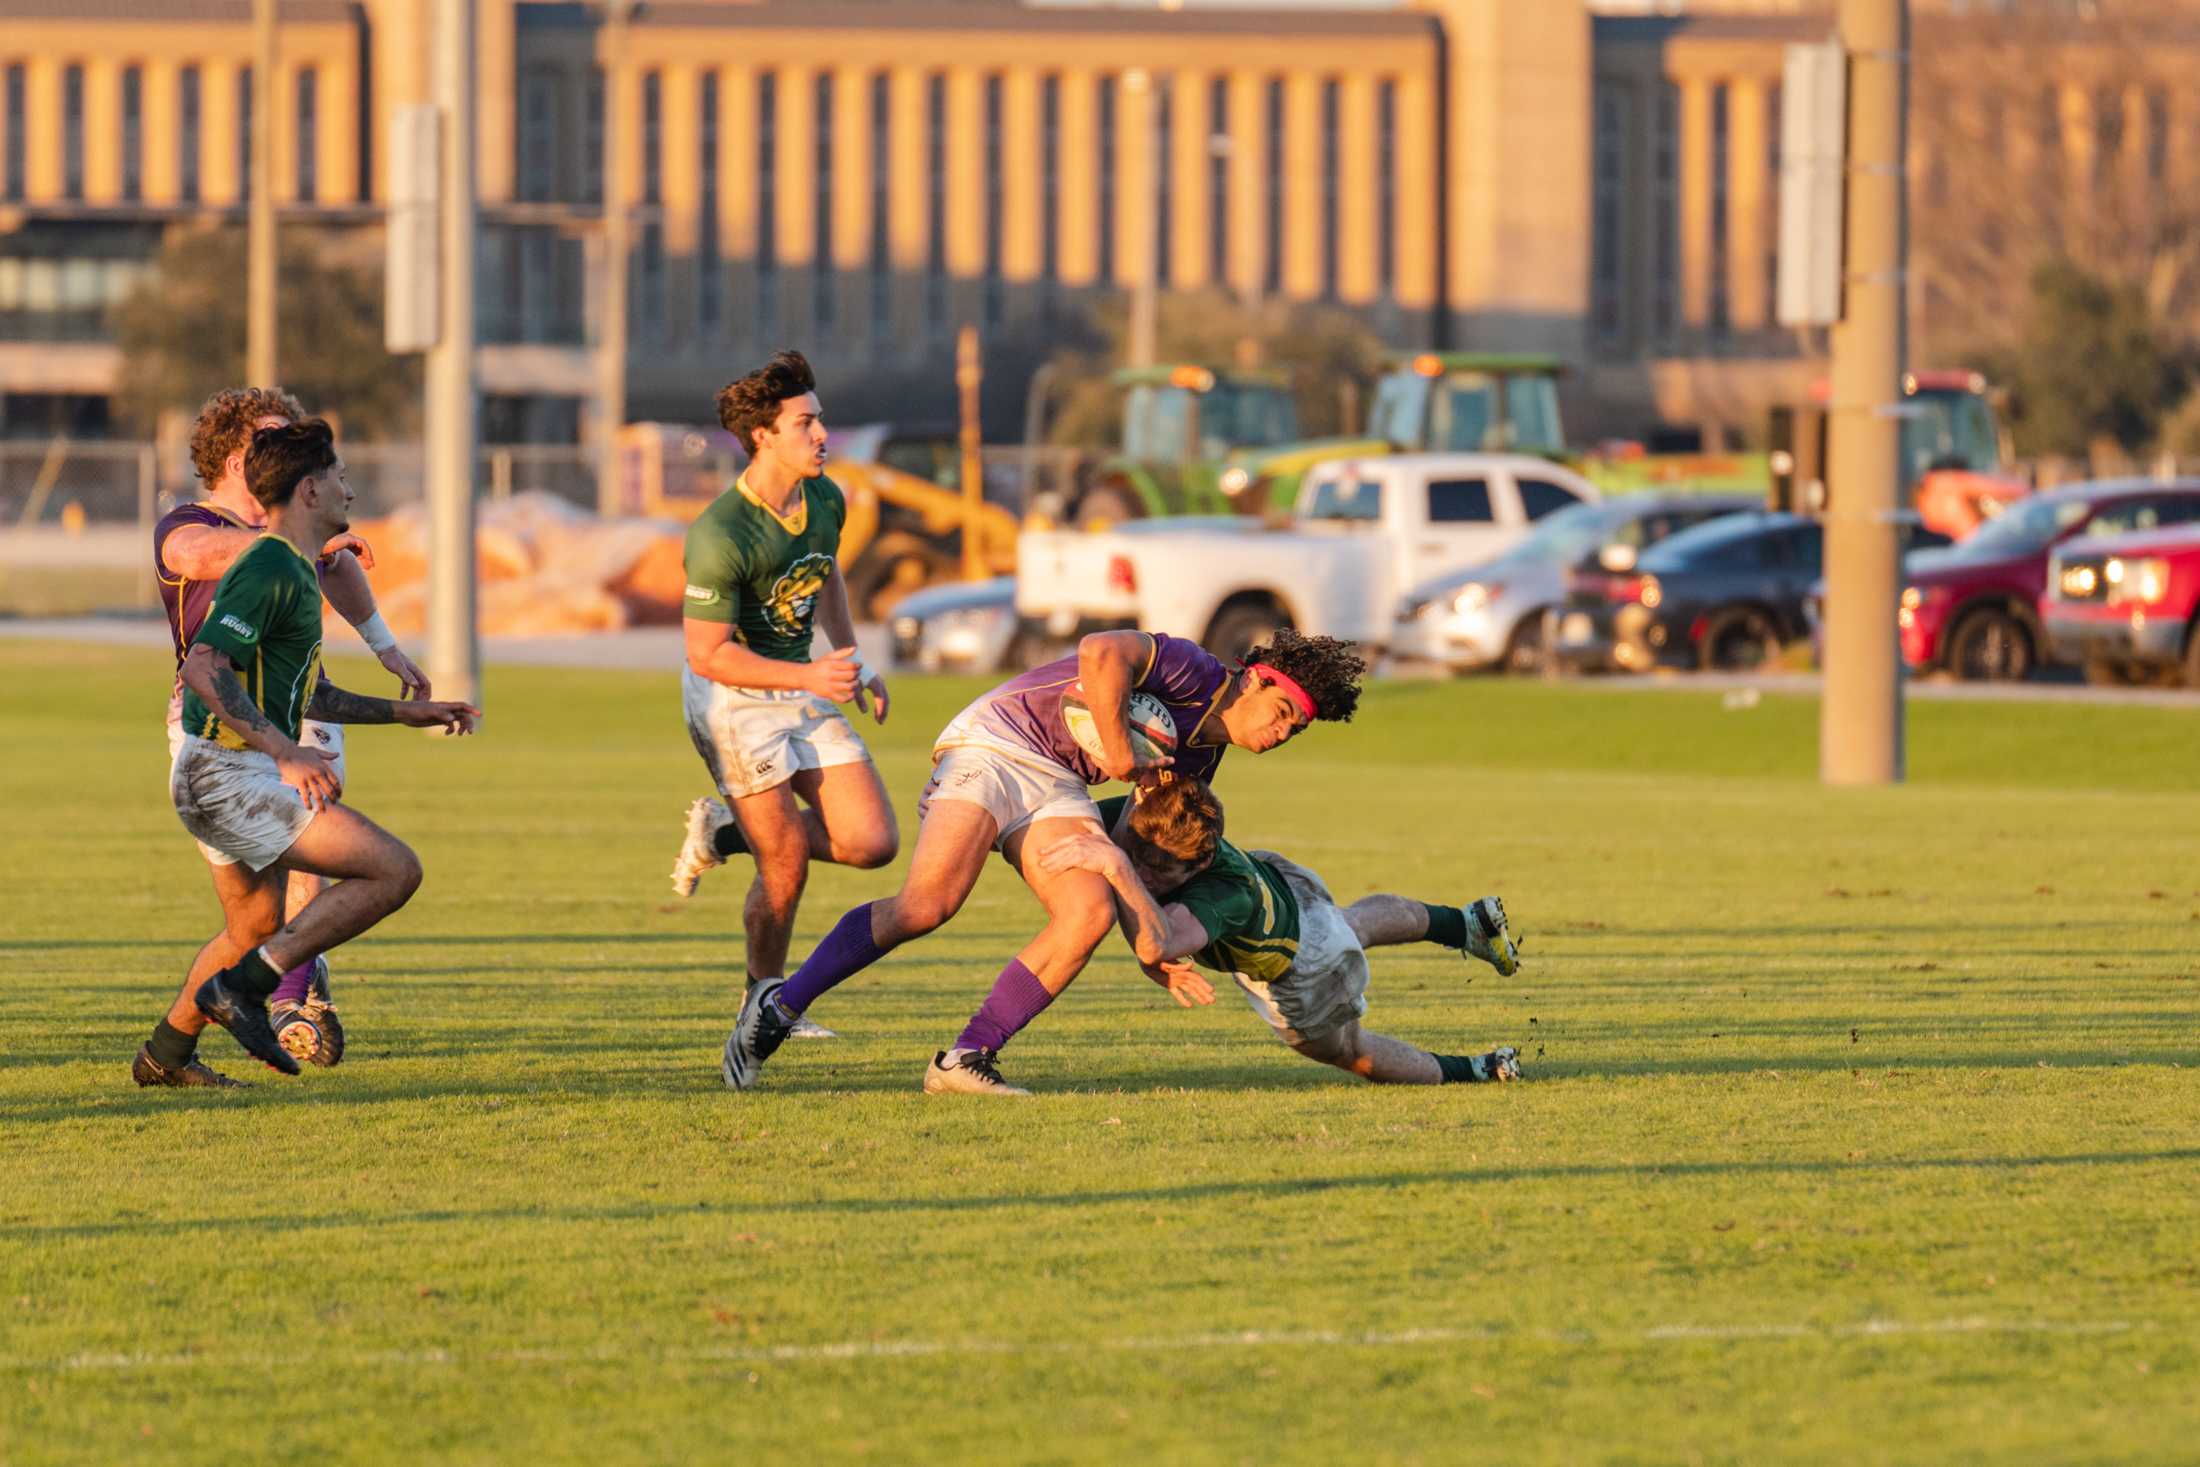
907 628
1652 593
1236 479
1472 597
2079 581
1912 598
2142 582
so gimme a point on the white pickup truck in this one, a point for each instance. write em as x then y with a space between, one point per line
1365 531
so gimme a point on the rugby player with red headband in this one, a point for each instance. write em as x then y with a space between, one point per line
1009 774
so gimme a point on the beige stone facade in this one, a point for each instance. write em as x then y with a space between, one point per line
1597 181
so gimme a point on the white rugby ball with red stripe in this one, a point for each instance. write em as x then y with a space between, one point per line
1153 731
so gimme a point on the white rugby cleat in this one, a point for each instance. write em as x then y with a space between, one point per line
1490 939
699 852
967 1072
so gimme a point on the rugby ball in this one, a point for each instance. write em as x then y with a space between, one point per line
1153 731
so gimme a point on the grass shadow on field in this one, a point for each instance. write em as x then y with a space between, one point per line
1242 1190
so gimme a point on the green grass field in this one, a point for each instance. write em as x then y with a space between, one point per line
1860 1126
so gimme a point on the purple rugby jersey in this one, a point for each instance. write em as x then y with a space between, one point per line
185 600
1025 713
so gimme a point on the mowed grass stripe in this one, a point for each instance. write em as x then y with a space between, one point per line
1859 1122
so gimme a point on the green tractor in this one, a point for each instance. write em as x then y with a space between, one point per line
1180 424
1429 402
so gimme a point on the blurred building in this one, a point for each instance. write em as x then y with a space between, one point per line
1595 180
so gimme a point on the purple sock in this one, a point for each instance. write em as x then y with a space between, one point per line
292 988
846 951
1017 998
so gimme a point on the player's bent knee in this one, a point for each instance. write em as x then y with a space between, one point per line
1339 1047
404 874
1086 925
868 855
916 913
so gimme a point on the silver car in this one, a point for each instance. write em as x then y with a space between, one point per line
963 626
1491 615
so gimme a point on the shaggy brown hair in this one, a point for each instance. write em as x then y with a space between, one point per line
752 402
225 424
1329 670
282 458
1181 818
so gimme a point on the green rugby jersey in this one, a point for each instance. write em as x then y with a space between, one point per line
1251 917
266 618
761 573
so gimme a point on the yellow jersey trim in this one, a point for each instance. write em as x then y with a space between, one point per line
793 524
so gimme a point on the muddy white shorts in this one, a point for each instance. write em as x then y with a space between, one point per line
1325 988
1014 788
328 736
755 739
235 804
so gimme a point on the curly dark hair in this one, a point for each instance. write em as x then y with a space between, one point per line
224 425
280 459
752 402
1329 669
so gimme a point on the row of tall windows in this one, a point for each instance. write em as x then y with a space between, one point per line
137 130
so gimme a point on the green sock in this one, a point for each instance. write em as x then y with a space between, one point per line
1447 926
1458 1069
170 1047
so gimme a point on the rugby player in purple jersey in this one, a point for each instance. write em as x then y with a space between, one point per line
1008 775
193 547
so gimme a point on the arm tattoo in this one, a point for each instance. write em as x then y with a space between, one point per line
332 704
236 704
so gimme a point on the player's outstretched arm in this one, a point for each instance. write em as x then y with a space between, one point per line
1109 664
208 672
345 585
1155 935
204 552
332 704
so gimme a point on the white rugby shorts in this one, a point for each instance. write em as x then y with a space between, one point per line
235 804
755 739
1014 788
1325 988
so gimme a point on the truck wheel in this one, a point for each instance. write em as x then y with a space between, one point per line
1237 630
1105 505
2192 656
1990 646
1524 652
1740 640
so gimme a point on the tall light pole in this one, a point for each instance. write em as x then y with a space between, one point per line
259 330
1860 731
454 648
611 313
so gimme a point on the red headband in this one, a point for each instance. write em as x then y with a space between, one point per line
1298 694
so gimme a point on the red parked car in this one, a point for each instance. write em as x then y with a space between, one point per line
1975 607
2127 608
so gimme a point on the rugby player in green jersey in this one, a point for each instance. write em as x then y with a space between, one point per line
1273 926
795 780
259 802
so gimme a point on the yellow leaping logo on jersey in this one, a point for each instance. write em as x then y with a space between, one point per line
794 595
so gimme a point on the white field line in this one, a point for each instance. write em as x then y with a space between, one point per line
1147 1345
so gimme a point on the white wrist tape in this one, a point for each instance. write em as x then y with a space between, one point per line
377 634
863 669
